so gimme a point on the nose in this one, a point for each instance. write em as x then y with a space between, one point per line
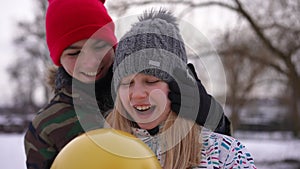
89 59
138 91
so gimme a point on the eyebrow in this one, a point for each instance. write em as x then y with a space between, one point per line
102 42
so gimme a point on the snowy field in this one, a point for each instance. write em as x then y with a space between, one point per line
276 151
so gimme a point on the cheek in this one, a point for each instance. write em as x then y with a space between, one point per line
69 65
124 96
160 98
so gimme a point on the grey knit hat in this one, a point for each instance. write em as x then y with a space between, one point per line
152 46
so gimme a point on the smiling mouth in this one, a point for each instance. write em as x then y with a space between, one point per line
92 74
144 109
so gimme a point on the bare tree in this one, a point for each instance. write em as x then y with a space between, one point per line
276 25
32 59
243 73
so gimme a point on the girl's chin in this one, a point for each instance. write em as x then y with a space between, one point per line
144 117
90 79
147 126
146 123
87 80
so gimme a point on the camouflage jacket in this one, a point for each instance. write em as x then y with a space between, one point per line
72 111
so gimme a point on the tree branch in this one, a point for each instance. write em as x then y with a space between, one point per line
259 32
255 59
191 5
205 4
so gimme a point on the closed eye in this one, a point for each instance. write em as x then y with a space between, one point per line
100 46
74 53
153 81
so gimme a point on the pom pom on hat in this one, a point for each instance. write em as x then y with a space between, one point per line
69 21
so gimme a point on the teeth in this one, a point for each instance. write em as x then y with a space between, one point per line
90 73
142 108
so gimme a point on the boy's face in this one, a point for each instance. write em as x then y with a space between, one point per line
145 99
88 60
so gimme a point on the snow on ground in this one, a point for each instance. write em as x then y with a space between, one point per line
12 153
276 150
276 154
273 152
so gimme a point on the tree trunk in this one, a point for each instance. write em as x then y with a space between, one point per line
295 101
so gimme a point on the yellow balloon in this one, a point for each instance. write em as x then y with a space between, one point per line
106 149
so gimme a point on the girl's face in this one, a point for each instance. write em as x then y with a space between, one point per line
145 98
88 60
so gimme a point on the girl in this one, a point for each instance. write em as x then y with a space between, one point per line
80 37
142 76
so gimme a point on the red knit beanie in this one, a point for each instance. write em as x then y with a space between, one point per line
69 21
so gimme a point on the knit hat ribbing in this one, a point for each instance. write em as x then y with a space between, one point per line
69 21
152 46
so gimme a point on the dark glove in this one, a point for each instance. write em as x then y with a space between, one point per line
224 126
194 103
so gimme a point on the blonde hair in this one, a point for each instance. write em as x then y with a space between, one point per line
180 136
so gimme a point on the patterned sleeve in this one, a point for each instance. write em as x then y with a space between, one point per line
239 157
39 154
48 132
